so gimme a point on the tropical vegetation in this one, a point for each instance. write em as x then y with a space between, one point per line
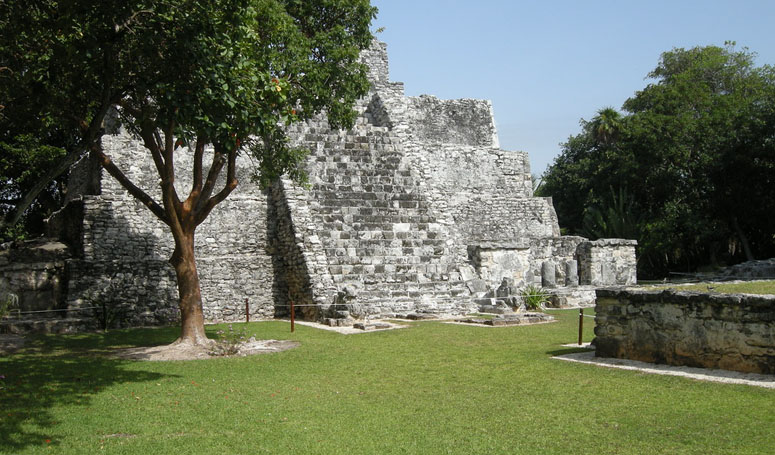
687 168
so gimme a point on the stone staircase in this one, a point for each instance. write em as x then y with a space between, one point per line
380 238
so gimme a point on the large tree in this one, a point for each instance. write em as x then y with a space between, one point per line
185 76
694 155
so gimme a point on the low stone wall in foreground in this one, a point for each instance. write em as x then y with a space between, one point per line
727 331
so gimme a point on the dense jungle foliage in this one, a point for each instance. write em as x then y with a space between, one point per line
687 169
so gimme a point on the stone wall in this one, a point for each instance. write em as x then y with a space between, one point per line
750 270
554 261
732 332
377 234
120 237
300 268
496 261
136 292
33 272
452 121
607 261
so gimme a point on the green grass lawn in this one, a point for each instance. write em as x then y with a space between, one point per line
432 388
743 287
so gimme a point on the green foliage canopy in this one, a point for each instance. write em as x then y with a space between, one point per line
23 162
692 161
229 73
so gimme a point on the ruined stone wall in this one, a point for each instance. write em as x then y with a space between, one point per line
451 121
121 238
461 197
750 270
501 217
300 263
377 64
381 243
33 273
496 261
732 332
553 260
481 192
607 262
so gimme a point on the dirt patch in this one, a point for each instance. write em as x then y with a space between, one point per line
182 351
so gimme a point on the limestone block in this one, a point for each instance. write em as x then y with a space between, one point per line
571 273
477 286
681 328
548 274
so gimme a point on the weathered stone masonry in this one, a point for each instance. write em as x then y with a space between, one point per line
732 332
416 209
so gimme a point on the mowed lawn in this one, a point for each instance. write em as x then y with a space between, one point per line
431 388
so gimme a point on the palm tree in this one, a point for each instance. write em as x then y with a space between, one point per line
605 126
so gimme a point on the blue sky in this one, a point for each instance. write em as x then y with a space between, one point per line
547 64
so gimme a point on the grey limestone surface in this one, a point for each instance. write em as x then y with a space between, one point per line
727 331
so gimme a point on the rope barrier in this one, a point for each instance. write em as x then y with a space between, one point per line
55 310
98 307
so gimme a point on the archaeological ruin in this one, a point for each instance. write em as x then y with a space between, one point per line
416 210
727 331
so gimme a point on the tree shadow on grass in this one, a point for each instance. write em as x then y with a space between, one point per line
568 350
63 370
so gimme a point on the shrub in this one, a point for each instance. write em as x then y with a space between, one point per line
229 341
7 302
534 297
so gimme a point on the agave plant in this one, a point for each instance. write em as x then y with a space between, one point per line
534 297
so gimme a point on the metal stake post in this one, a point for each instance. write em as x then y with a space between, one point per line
581 323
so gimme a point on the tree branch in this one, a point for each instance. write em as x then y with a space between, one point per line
136 113
228 187
147 132
136 192
172 204
29 197
212 177
169 162
157 138
91 132
199 151
119 28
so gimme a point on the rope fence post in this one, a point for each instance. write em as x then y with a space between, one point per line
293 313
581 324
247 311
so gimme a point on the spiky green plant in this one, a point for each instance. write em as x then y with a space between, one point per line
534 297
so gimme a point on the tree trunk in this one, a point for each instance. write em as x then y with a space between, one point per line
192 318
743 240
32 194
